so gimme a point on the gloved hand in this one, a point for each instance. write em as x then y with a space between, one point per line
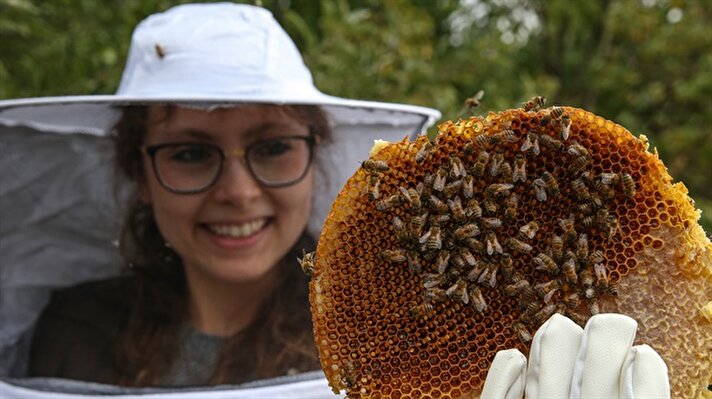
566 361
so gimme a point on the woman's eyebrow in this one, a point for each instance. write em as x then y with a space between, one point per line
188 133
276 127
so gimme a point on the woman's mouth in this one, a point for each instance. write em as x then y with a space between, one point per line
241 230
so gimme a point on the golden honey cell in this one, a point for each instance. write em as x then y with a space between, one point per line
477 237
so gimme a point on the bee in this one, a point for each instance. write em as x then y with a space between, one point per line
521 287
593 307
458 291
569 228
551 184
556 112
434 295
348 378
493 244
528 231
544 313
505 172
481 162
577 150
582 247
402 233
531 143
457 169
475 245
416 224
628 185
473 102
452 188
412 198
160 51
601 274
458 261
605 191
545 120
458 213
588 221
389 202
373 166
482 140
522 332
569 268
307 262
432 280
442 261
424 151
497 160
469 147
373 182
511 204
425 187
468 257
506 136
572 300
476 270
535 103
506 266
586 278
540 189
578 164
491 205
596 257
473 209
421 310
565 126
491 223
517 246
440 179
580 189
545 263
394 256
498 190
610 179
433 240
438 205
489 277
556 247
413 260
612 227
468 187
466 231
520 169
550 142
547 289
478 301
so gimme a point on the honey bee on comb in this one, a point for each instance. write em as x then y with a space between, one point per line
415 303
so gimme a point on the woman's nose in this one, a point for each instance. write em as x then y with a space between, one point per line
236 183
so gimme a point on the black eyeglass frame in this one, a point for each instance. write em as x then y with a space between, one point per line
151 151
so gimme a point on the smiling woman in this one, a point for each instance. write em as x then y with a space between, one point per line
225 155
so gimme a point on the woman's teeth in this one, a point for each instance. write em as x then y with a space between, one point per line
237 230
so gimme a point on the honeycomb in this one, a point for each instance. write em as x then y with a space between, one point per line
440 252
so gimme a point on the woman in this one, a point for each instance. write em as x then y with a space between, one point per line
224 187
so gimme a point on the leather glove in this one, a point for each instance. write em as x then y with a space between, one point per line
566 361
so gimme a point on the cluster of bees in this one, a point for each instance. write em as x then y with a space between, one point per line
440 252
454 236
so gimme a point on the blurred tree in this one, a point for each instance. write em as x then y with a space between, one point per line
645 64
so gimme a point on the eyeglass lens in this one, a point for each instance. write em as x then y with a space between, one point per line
192 167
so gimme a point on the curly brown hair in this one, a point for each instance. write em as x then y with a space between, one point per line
279 340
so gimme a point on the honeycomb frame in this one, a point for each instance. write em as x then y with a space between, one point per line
412 304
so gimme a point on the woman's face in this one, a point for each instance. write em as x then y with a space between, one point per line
237 230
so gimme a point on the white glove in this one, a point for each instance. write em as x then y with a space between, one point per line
568 362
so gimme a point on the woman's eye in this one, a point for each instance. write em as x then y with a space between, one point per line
192 153
273 148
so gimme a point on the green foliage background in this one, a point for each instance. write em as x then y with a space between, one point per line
646 64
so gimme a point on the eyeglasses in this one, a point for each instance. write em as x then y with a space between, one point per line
192 167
